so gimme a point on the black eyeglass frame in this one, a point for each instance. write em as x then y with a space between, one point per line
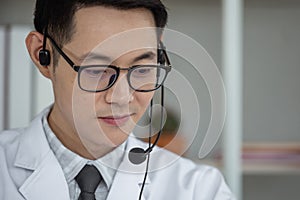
163 63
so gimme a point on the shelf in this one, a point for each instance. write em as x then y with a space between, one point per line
270 168
265 159
271 158
259 168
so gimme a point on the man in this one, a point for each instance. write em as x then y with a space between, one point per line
102 59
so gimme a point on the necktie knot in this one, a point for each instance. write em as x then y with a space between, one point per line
88 180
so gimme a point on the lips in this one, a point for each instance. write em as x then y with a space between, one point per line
115 120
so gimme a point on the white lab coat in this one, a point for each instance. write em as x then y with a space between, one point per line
30 171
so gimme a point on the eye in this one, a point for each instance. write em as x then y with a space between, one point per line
143 71
94 72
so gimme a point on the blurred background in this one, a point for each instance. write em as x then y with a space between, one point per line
270 136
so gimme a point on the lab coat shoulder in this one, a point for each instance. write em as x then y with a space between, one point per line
9 144
11 177
181 178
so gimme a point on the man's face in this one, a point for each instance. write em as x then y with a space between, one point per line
103 119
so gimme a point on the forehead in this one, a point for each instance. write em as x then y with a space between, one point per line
111 29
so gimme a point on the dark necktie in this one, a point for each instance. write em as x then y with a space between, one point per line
88 179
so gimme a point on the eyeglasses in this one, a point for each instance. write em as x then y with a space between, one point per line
141 78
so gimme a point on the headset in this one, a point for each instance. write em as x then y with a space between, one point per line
138 155
44 54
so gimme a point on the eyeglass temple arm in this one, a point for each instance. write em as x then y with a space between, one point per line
162 48
69 61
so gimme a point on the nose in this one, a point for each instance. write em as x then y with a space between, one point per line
120 93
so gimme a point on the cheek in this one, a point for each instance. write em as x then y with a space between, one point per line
143 100
65 87
63 90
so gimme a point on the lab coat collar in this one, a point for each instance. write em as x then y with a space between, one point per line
47 180
33 145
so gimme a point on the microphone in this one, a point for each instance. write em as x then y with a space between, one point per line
138 155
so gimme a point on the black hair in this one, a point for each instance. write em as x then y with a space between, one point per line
57 15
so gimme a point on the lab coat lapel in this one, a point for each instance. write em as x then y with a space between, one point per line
126 186
47 180
129 178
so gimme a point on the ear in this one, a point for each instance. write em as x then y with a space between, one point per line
34 43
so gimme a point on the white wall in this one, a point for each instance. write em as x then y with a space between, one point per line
16 11
19 78
272 60
2 77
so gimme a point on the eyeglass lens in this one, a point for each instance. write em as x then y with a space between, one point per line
143 77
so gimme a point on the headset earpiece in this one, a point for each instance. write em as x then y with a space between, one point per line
44 54
161 57
44 57
161 54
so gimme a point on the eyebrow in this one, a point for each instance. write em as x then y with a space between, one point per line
93 55
149 55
